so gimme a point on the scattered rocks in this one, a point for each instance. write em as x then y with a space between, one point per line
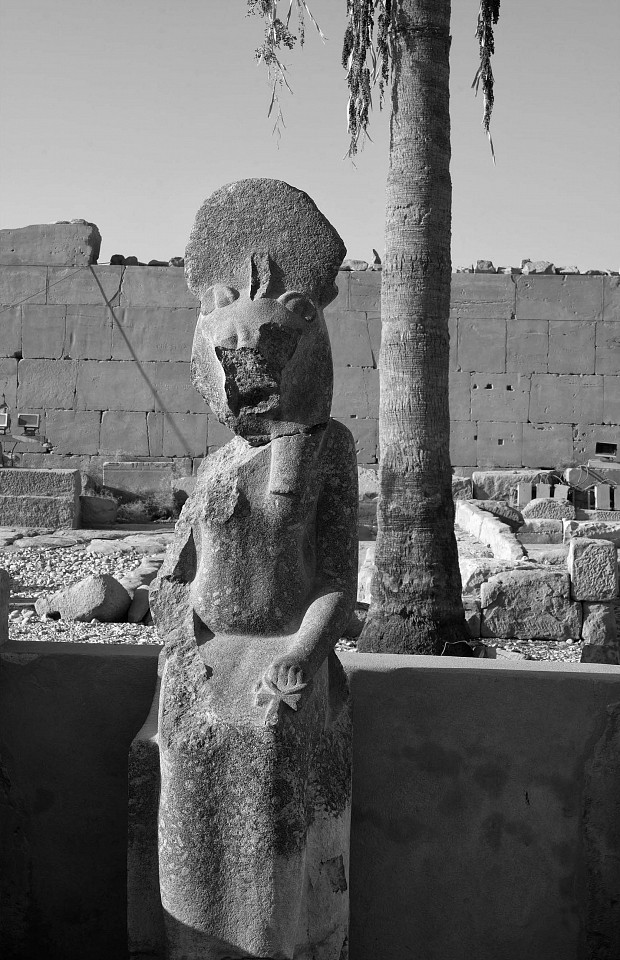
99 597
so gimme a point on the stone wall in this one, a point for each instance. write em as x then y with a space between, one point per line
101 353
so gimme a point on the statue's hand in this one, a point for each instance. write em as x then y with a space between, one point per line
284 681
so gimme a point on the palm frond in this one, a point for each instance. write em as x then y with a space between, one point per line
488 15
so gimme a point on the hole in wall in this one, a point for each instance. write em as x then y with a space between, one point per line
509 387
489 386
500 443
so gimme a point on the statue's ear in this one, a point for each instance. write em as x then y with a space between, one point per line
217 296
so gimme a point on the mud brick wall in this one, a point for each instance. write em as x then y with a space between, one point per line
101 353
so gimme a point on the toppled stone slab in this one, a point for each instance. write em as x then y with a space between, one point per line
503 511
597 515
541 531
5 590
462 488
593 569
49 512
548 508
592 530
530 605
488 529
599 623
99 597
52 244
499 484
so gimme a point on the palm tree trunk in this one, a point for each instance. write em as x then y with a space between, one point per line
416 593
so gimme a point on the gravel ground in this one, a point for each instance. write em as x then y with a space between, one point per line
38 569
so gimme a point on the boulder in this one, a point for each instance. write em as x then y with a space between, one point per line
54 244
139 605
593 569
99 597
548 508
142 575
599 623
530 604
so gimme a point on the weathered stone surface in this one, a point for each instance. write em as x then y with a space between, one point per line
47 383
571 346
153 333
138 477
547 444
529 604
463 449
608 653
481 345
471 607
503 511
30 511
477 570
88 333
599 623
541 531
562 298
349 264
53 244
462 488
139 605
488 529
499 444
124 433
5 590
88 285
537 266
548 508
503 397
566 399
527 346
593 569
501 484
592 530
39 483
73 431
99 597
97 511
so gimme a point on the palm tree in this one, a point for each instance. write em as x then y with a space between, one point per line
416 593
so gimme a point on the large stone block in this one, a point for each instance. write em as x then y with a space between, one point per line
23 283
10 331
529 605
503 397
547 444
137 478
592 530
123 433
8 381
599 624
607 348
185 434
527 346
153 333
548 508
365 291
480 296
611 400
541 530
611 298
460 396
111 385
593 569
155 432
155 286
499 444
53 244
559 298
571 346
88 285
5 591
73 431
350 340
366 435
501 484
173 389
39 511
43 331
566 399
89 332
47 383
481 344
463 443
39 483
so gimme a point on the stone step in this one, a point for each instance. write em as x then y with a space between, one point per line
29 511
19 481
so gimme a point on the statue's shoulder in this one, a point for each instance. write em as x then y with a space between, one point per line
339 438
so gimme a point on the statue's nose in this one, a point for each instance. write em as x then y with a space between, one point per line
237 334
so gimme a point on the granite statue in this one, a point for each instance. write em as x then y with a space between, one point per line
251 730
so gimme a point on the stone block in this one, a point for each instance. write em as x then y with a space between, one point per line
5 592
592 530
593 569
354 393
185 434
366 435
217 434
547 444
463 443
548 508
97 512
504 397
606 653
43 331
611 400
529 605
155 432
39 483
587 435
501 484
136 478
607 348
8 381
89 332
499 444
123 433
73 431
477 570
53 244
481 344
23 283
541 530
157 287
26 511
462 488
10 331
527 346
460 396
599 624
88 285
566 399
350 340
480 297
153 333
559 298
172 386
571 346
47 384
365 291
111 385
611 298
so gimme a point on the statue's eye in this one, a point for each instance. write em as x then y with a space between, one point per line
218 296
298 304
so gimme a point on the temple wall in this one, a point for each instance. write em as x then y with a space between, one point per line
485 804
101 353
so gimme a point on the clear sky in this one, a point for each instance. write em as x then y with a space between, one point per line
130 112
